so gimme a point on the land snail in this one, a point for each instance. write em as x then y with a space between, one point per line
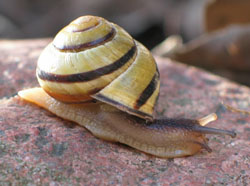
95 74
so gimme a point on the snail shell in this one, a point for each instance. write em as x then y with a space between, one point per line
93 58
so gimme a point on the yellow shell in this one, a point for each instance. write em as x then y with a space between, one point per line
93 58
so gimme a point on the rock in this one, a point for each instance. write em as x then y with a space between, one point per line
18 63
38 148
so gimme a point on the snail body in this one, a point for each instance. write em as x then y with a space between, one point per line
164 138
93 59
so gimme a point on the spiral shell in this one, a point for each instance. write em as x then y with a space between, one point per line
93 58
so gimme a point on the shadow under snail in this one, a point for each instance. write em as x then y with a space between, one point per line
93 59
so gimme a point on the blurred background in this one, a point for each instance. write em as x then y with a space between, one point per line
211 34
150 21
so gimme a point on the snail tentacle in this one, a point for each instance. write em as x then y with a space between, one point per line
208 130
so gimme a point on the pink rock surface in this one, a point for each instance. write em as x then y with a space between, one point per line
38 148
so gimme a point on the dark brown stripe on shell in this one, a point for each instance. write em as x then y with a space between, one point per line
120 106
85 29
148 91
90 75
88 45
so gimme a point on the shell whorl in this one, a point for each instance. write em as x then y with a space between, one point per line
93 58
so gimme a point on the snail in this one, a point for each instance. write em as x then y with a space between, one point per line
95 74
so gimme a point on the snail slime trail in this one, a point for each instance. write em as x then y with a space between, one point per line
94 59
